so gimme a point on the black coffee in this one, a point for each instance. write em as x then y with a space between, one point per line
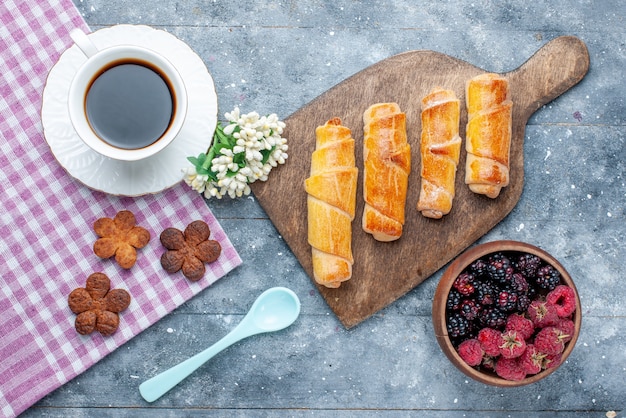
129 105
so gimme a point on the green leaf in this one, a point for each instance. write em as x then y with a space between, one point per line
200 166
240 159
266 154
217 148
196 161
222 138
212 176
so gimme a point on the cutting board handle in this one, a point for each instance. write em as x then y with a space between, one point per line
551 71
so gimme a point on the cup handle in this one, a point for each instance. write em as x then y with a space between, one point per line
83 42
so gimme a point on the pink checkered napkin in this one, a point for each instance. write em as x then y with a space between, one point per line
46 219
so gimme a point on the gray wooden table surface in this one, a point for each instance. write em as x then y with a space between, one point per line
277 56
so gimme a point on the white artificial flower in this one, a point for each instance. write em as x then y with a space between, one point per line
233 116
257 138
226 152
228 130
196 181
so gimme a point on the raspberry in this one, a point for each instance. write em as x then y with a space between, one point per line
542 314
489 363
520 324
492 318
471 352
531 360
464 284
567 328
509 369
552 361
564 299
469 309
549 341
490 340
513 345
547 277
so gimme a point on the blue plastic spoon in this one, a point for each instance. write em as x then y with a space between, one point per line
273 310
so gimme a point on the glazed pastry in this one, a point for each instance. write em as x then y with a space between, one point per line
387 164
488 135
331 203
440 149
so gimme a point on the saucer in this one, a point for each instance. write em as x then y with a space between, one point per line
130 178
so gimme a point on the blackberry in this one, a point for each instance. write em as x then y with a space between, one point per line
532 290
519 283
478 268
457 325
485 293
507 300
464 284
454 300
470 309
499 268
523 302
493 318
528 264
547 277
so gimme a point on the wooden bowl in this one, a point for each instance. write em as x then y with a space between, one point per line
441 296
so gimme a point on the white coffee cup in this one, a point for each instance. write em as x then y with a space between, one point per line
125 102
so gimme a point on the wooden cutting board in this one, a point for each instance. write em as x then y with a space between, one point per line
383 272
